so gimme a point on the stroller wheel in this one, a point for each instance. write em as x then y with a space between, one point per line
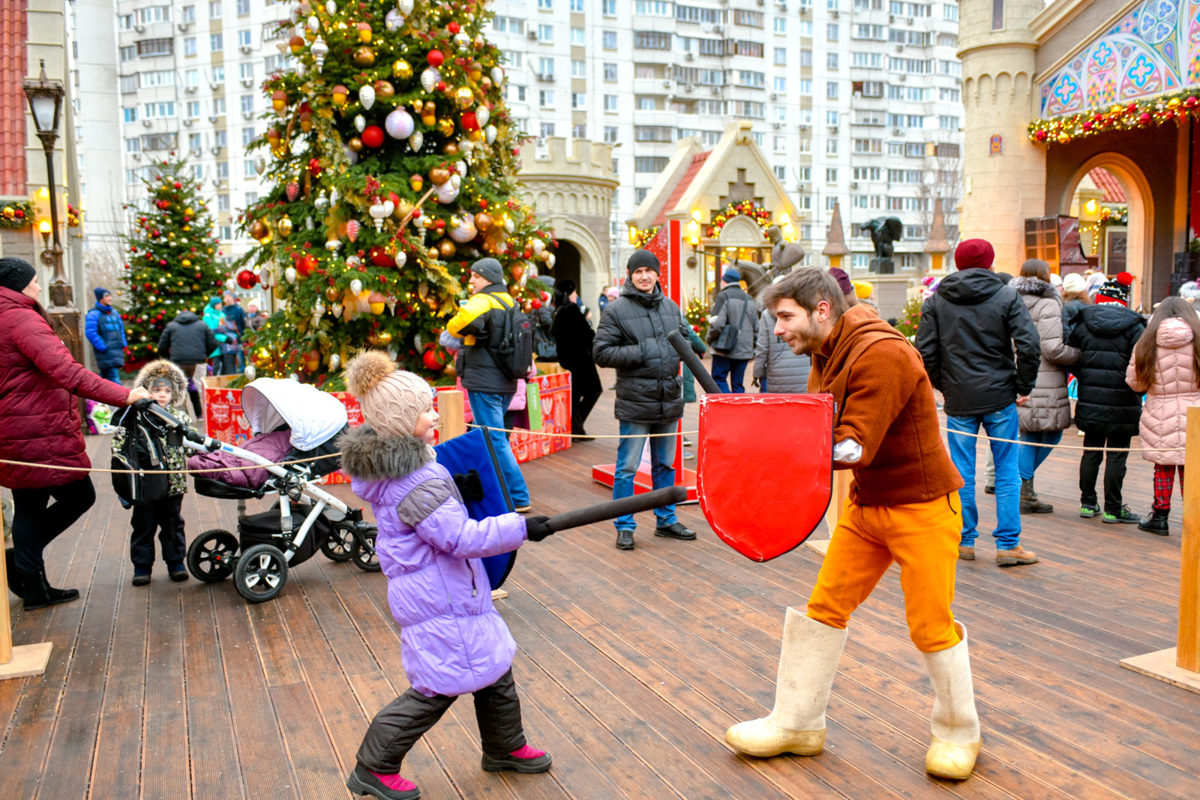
211 556
261 573
364 549
339 546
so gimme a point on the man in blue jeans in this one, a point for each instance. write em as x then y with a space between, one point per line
489 390
968 334
632 338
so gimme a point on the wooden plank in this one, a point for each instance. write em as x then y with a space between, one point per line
26 660
310 752
1188 640
1164 666
166 743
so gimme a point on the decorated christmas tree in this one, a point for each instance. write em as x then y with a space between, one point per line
388 166
172 259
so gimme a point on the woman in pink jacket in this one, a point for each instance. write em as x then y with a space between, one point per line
38 381
1166 366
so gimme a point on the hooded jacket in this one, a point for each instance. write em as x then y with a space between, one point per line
632 338
885 403
784 371
176 454
474 324
38 377
453 640
1174 387
968 331
1105 335
187 340
105 330
1048 408
735 308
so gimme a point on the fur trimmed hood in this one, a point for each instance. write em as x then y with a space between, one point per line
368 456
163 368
1033 286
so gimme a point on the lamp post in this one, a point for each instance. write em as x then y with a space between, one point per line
45 105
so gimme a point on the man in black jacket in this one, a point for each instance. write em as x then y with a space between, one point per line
632 337
187 341
968 332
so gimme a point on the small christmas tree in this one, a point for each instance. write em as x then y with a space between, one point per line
172 263
393 163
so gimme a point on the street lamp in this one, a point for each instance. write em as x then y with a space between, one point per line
45 105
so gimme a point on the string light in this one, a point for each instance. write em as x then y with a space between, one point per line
1132 116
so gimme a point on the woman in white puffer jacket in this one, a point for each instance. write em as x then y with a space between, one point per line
1166 366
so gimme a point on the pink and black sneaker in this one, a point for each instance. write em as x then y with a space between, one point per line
525 759
386 787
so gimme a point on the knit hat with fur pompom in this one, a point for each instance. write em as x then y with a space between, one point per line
391 399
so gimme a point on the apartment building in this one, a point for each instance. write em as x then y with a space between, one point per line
856 102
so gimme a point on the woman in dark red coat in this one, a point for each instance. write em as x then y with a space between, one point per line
41 425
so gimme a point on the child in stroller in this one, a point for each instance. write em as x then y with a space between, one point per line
293 422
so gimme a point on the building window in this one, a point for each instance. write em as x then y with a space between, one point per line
610 102
247 103
649 163
651 40
577 37
780 56
646 104
578 100
214 9
216 42
243 7
831 62
831 175
545 33
577 5
780 25
610 72
831 90
608 40
244 38
247 136
578 68
610 134
831 32
608 8
546 98
155 47
546 5
546 130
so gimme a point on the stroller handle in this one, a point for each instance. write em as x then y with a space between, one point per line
169 419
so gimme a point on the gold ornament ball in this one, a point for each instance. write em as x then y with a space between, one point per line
402 69
475 72
364 56
464 96
475 135
187 262
384 337
428 120
384 90
446 249
259 230
450 148
445 126
418 105
355 144
483 221
432 253
333 294
284 226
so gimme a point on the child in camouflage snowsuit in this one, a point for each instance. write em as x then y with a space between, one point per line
168 387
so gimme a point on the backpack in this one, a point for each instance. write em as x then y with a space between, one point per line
511 342
141 448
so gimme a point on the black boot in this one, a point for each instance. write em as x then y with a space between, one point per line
1029 500
1156 522
39 593
16 579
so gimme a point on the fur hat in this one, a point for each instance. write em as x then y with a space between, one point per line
391 399
974 254
163 370
100 293
1074 283
731 276
489 268
16 273
643 258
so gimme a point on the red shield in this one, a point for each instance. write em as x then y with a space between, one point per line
765 468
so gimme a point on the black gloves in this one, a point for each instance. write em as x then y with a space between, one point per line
536 528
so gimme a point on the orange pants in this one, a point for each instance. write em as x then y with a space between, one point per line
923 538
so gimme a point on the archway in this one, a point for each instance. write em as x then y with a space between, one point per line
1139 257
566 264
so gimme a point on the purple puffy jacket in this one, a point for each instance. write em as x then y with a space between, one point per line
454 641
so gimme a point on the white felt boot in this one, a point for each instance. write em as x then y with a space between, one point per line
956 736
807 664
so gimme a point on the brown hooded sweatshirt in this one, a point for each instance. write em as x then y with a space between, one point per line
885 403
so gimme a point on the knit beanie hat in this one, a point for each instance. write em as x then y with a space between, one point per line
863 289
391 399
843 280
643 258
1115 290
214 301
100 293
731 276
974 254
16 273
489 268
1074 283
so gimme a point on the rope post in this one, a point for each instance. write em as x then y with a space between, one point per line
452 415
1180 665
23 661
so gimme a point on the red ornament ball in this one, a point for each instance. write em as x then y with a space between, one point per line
247 279
469 121
453 27
535 304
435 58
372 136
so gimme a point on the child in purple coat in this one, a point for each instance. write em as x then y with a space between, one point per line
454 642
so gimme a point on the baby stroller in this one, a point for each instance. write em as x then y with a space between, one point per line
292 421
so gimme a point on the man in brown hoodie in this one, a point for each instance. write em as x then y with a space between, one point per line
903 507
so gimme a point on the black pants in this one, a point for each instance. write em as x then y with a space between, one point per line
398 726
36 522
585 391
1114 468
164 517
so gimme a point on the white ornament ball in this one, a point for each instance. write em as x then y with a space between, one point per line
399 124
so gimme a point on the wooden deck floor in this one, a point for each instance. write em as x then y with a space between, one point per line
631 665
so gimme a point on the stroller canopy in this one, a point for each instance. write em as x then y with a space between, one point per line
314 416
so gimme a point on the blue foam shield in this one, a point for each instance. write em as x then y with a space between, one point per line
472 461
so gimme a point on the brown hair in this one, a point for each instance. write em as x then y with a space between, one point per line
1145 352
1036 268
808 286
